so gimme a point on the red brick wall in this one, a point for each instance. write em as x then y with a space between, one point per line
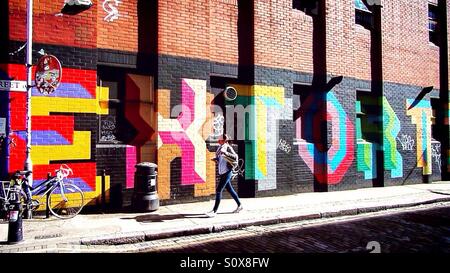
408 56
223 31
348 45
407 53
120 33
70 30
199 29
273 33
184 28
301 44
283 36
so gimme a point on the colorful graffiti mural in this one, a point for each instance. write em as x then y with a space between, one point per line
366 150
421 115
266 105
164 133
393 160
341 152
139 112
183 137
54 137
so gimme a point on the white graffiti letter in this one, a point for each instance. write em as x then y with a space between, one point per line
110 6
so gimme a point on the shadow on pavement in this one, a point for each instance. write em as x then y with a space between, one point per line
161 218
437 192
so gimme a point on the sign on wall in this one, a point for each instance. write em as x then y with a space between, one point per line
18 86
2 126
48 74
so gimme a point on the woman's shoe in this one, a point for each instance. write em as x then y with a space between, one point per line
238 209
211 214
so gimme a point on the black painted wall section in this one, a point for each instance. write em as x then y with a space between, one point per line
71 57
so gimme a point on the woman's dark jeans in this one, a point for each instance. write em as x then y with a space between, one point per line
225 182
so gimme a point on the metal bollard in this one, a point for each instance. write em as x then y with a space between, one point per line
15 229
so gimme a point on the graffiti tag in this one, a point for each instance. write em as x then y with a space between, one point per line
108 137
218 124
108 125
108 129
436 154
110 6
284 146
407 142
238 169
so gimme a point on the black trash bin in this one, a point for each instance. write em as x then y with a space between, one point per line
145 197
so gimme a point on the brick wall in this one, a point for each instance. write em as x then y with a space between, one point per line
223 37
184 28
405 44
117 25
50 28
189 44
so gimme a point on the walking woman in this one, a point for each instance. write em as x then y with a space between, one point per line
224 152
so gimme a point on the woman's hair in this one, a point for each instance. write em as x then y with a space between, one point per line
226 138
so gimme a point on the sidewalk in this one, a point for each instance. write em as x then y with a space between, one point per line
189 219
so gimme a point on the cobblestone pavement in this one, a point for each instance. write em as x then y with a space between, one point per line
404 231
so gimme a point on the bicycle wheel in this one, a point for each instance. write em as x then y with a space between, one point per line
69 206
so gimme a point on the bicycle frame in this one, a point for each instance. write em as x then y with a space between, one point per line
47 186
53 184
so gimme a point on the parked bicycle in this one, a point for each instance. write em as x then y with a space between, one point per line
65 200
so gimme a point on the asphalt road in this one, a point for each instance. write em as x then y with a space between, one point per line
420 230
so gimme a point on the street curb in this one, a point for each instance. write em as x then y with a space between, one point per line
137 237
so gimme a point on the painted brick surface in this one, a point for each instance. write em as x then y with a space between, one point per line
164 55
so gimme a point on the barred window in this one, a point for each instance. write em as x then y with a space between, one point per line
363 16
310 7
433 23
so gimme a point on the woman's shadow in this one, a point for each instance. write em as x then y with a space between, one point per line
149 218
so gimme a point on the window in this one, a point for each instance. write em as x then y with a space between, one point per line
433 23
363 16
310 7
113 127
302 91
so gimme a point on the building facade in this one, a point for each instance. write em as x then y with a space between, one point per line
331 95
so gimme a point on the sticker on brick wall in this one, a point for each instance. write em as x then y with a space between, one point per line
48 74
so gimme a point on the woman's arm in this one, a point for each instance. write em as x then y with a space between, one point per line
231 154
